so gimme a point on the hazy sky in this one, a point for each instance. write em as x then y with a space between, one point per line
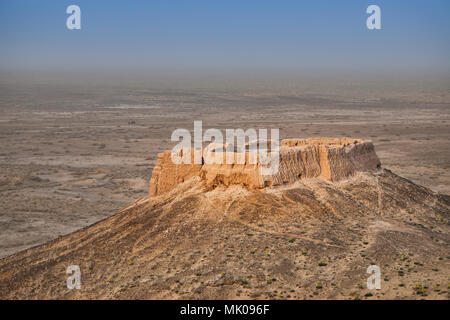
132 34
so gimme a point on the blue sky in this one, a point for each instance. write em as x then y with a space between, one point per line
132 34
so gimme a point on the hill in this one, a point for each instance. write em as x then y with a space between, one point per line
311 237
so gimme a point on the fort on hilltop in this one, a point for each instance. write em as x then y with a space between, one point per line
332 159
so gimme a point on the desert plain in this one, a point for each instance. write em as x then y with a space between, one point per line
76 151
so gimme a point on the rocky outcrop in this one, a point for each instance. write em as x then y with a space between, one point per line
327 158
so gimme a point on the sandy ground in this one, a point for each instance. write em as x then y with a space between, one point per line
72 154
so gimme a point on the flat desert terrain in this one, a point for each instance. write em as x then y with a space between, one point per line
74 152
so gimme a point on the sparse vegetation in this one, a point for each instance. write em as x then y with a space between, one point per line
420 290
322 263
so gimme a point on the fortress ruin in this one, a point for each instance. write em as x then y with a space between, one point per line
332 159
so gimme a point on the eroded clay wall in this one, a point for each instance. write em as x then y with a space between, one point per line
328 158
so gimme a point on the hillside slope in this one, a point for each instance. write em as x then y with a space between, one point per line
229 242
